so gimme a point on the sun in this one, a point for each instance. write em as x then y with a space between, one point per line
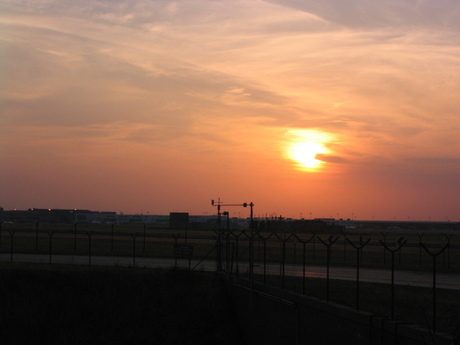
304 148
304 154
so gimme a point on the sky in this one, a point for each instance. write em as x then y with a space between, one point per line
308 109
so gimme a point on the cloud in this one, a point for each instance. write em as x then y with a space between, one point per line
225 80
331 159
374 14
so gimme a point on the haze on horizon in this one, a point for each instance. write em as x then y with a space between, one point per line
334 108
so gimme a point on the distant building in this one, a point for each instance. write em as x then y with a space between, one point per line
178 220
182 220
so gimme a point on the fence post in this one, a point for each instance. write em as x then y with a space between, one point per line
330 241
227 238
304 243
314 246
75 238
283 255
111 243
248 236
264 239
50 234
358 252
36 236
446 237
134 247
218 263
237 259
143 248
344 233
11 244
384 234
420 236
399 243
176 237
90 235
434 256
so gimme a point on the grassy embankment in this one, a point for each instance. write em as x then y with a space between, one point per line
54 304
412 305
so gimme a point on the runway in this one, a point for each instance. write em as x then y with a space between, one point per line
412 278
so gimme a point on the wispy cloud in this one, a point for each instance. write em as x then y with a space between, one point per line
376 14
231 78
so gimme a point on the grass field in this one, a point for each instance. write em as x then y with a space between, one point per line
127 240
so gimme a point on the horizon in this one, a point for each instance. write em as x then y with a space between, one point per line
238 215
343 109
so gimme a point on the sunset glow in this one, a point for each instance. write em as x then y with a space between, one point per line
305 149
305 153
313 107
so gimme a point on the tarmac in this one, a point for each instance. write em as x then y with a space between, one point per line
401 277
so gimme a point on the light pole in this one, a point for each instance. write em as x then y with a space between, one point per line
251 246
219 204
227 241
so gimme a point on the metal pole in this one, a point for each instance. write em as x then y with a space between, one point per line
227 244
304 243
236 255
345 233
330 241
327 274
90 234
111 250
251 263
314 247
50 234
399 244
357 278
434 293
384 234
219 204
265 261
143 248
283 256
75 237
392 285
284 259
175 244
303 271
434 256
420 248
264 240
218 263
12 247
227 241
134 248
358 253
232 245
36 236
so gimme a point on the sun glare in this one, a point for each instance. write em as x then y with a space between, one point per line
305 153
304 148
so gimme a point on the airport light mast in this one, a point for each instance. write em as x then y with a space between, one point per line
220 204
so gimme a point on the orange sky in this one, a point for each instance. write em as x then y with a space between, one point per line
160 106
